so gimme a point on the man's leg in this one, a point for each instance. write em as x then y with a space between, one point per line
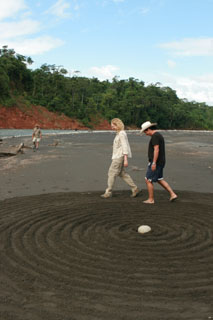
150 189
167 187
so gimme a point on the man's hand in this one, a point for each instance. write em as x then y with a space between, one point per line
153 167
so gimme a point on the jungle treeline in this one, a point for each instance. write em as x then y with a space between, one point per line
85 98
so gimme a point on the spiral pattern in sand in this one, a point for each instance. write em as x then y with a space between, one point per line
77 256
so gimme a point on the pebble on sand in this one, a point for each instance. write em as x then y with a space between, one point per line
144 229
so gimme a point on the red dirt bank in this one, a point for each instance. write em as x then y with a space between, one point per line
15 118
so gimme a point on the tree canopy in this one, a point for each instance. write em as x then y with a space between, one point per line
83 98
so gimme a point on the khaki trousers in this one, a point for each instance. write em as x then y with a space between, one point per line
117 169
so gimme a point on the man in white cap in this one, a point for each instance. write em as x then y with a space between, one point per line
36 136
157 160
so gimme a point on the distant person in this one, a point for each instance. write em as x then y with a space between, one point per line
120 154
157 160
36 136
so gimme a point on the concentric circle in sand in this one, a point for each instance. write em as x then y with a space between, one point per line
77 256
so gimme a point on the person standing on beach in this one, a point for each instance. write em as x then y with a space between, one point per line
36 136
157 160
120 154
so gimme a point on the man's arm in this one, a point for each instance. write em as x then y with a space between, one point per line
155 157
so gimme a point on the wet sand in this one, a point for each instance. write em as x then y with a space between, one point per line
80 163
67 254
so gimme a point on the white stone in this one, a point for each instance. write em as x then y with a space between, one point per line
144 229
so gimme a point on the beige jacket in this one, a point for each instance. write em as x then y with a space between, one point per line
121 145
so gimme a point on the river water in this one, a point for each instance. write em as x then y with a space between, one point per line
11 133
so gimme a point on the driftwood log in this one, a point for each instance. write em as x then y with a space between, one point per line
53 144
11 151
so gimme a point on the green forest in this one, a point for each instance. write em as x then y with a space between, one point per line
85 98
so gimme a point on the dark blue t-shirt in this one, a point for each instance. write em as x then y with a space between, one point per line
157 139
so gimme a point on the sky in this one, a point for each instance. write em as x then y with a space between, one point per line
156 41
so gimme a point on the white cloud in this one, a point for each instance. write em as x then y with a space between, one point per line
144 11
77 7
171 63
9 8
20 28
191 47
105 3
59 9
105 72
35 46
197 88
17 32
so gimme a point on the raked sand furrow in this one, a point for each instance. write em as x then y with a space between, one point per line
77 256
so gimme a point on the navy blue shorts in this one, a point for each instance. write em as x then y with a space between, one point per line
156 175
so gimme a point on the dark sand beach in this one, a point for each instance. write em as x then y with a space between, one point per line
67 254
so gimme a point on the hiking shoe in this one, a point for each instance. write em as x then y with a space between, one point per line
106 195
135 193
